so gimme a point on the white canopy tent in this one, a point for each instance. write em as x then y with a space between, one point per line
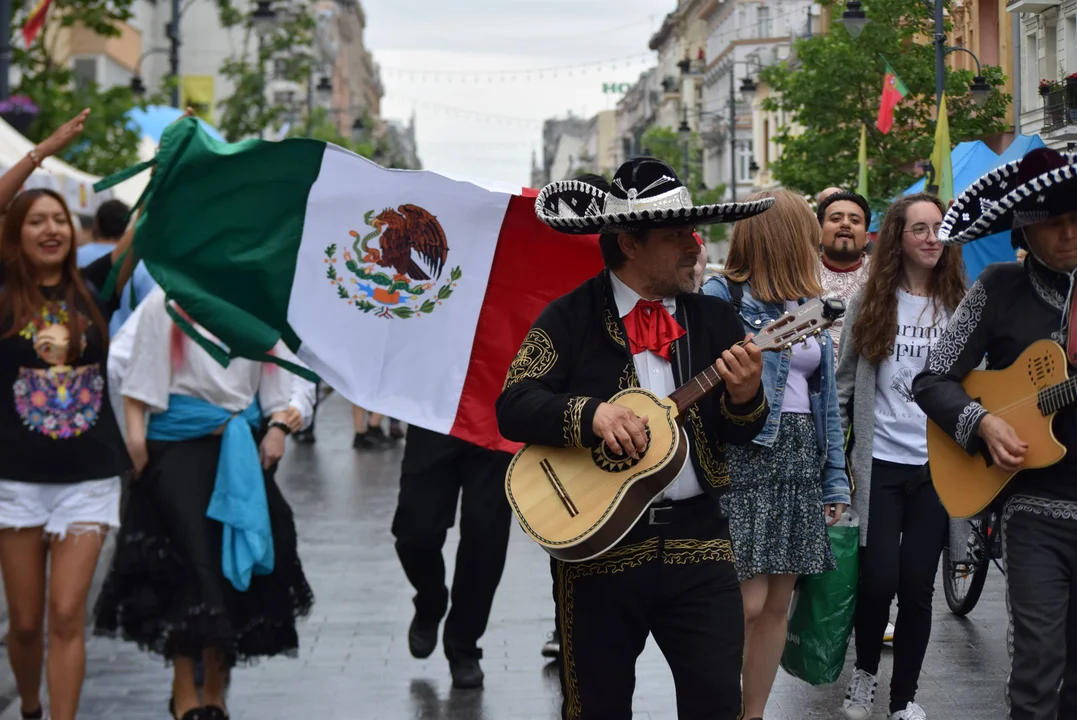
75 185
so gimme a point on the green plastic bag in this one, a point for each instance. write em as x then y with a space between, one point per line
822 611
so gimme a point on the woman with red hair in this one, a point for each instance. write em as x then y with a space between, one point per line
61 452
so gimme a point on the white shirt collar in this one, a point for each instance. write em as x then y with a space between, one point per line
626 298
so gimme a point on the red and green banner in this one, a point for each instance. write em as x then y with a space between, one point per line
894 91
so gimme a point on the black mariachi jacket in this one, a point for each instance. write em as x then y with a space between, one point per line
576 356
1007 309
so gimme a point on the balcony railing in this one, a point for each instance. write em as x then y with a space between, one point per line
1060 108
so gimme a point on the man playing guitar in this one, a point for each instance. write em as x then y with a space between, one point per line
1009 308
640 323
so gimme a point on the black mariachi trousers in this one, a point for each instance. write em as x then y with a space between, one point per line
436 470
1040 550
675 581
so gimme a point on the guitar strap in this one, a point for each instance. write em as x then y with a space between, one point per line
1071 334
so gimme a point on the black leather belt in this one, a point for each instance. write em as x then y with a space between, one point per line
665 512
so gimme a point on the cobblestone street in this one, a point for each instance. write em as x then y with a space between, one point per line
354 662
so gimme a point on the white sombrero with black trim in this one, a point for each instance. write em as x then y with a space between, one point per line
645 193
1039 186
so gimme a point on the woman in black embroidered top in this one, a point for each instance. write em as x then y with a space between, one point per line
60 448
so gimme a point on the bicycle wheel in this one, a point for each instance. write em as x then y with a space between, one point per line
965 571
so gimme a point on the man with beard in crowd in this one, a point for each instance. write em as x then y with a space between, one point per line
844 217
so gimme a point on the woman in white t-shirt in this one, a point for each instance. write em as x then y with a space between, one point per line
914 286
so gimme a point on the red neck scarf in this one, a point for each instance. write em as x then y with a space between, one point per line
650 327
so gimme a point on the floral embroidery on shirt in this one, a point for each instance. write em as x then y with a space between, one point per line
61 402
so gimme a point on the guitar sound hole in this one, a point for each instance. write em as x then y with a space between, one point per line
612 462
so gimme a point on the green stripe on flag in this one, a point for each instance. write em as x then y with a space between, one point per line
898 84
233 271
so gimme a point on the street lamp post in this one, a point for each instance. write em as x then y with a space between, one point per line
138 88
855 19
173 53
264 19
747 87
685 133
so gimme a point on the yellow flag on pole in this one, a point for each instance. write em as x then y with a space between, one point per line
940 158
862 179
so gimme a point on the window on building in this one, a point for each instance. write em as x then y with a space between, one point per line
285 98
1032 69
1071 44
744 161
762 18
84 71
280 68
1050 52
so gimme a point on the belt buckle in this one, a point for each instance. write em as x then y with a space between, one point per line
651 515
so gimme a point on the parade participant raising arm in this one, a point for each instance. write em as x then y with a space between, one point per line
61 452
1010 307
640 323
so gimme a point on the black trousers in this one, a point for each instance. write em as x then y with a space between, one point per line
675 581
436 470
1040 544
907 529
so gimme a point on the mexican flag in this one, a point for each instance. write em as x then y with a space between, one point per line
408 292
894 91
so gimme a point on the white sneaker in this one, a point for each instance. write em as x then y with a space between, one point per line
888 636
860 696
912 711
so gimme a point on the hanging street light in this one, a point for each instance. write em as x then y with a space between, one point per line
264 18
854 18
748 88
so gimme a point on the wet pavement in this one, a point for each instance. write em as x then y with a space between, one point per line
354 663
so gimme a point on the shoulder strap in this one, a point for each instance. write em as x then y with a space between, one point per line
736 293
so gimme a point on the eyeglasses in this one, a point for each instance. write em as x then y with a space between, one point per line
920 231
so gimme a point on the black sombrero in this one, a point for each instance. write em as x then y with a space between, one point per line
645 193
1037 187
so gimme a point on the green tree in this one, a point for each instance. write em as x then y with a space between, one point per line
323 128
834 84
108 143
666 145
284 54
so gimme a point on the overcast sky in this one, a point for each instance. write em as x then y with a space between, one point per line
493 36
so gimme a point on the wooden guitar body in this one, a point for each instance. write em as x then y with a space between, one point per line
965 483
577 503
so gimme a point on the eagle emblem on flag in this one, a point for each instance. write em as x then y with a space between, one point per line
392 268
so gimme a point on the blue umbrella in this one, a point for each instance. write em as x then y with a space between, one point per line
152 121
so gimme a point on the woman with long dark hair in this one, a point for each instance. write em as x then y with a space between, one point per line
914 286
790 482
61 452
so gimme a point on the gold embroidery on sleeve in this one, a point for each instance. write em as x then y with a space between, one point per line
743 419
628 377
715 471
536 357
573 417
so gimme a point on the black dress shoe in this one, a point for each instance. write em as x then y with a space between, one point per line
33 714
466 673
212 712
422 638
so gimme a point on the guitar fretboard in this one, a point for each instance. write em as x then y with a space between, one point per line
693 391
1057 397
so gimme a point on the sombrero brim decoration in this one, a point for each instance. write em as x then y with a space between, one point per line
645 193
1039 186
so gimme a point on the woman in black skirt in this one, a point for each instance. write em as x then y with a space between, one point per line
179 585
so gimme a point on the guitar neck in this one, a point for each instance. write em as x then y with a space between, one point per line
1057 397
696 389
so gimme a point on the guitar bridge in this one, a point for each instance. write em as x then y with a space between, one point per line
558 487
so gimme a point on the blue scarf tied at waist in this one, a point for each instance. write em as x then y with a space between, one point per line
239 494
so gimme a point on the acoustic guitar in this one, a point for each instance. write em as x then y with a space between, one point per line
577 503
1026 395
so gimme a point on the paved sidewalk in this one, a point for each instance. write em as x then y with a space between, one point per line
354 664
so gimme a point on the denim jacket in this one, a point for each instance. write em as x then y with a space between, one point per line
822 391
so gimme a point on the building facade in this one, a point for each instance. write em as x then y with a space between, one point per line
1045 69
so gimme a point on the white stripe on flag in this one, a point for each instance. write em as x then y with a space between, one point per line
411 368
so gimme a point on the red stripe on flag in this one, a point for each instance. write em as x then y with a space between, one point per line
35 22
533 265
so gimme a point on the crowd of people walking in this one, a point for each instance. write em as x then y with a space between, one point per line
120 420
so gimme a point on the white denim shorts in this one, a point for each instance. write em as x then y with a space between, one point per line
61 507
